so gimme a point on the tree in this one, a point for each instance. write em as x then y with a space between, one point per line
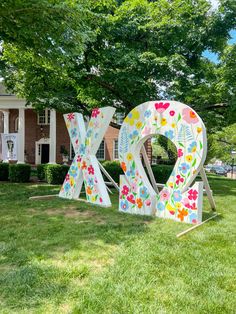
128 52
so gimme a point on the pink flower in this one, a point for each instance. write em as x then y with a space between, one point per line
179 179
70 116
100 200
148 202
133 186
131 199
172 113
67 177
180 153
186 203
192 194
79 158
161 107
91 170
164 195
146 131
125 190
189 116
95 112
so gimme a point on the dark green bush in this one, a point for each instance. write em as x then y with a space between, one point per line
114 170
55 174
4 171
41 171
19 172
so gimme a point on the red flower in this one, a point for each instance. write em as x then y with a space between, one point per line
131 199
70 116
91 170
125 190
67 177
192 194
194 207
161 107
179 179
100 200
172 113
79 158
95 112
180 153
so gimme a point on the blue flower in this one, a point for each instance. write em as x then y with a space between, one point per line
90 182
74 132
177 196
192 147
131 172
143 192
82 149
160 206
147 113
73 171
169 134
133 135
89 133
124 205
67 187
184 168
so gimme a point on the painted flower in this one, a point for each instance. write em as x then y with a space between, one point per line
90 182
125 190
139 202
130 198
178 205
79 158
129 156
177 196
170 209
143 192
88 190
160 206
180 153
189 116
123 166
161 106
84 165
172 113
133 187
148 202
146 130
124 205
194 206
193 218
73 132
179 179
199 130
186 203
72 181
163 121
91 170
192 147
132 116
130 172
147 113
192 194
100 200
184 168
73 171
173 125
95 113
169 134
70 116
181 214
133 135
171 185
82 149
89 133
139 124
67 187
164 195
189 158
67 177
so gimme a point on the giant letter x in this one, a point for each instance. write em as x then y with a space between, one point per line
85 167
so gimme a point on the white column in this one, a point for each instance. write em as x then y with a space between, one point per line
53 137
21 137
6 121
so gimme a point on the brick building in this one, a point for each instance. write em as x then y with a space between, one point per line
43 135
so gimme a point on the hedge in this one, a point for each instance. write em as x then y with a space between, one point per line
55 174
41 171
19 172
4 171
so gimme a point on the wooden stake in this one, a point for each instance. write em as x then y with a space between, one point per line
196 226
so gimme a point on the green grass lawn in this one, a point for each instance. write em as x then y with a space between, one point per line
59 256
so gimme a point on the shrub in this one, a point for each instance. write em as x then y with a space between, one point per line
55 174
114 170
162 172
19 172
41 171
4 171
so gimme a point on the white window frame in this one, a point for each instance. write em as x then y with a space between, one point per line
104 152
114 149
16 126
47 117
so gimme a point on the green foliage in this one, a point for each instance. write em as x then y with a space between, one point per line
114 170
19 172
162 172
4 171
55 174
41 171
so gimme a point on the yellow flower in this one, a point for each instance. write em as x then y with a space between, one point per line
67 125
199 130
171 185
72 181
91 123
139 124
93 199
163 121
178 205
129 156
88 141
173 125
132 116
189 158
170 208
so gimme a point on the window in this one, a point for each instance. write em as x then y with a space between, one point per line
101 151
119 117
44 117
115 149
17 124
